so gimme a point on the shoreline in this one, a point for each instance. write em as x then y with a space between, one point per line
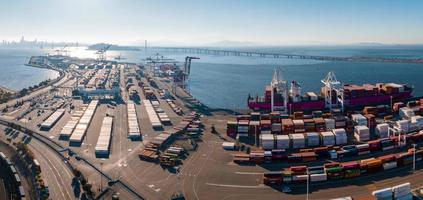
13 91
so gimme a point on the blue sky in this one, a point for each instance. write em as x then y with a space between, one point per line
269 22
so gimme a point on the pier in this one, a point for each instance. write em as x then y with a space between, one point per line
246 53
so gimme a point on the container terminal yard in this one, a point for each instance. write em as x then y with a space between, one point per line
116 130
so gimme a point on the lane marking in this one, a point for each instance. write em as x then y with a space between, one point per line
237 186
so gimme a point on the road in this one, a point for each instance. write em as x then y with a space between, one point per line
36 93
55 172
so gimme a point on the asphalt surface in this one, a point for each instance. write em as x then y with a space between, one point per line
207 173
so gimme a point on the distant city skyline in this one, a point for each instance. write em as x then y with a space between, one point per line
214 22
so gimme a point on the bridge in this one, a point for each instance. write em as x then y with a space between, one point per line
246 53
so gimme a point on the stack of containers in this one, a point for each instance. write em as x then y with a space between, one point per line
267 141
383 194
373 165
359 119
276 128
340 121
406 113
298 115
133 127
298 125
388 161
317 173
382 130
282 142
152 115
330 124
340 136
313 139
309 125
386 144
418 120
334 171
371 120
317 114
351 169
265 125
287 126
103 143
163 117
254 128
297 140
255 116
328 138
402 191
402 125
232 128
361 133
319 124
51 121
81 129
275 117
66 131
299 174
363 149
243 128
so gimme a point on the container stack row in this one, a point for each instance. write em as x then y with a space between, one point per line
400 192
133 126
336 171
67 130
51 121
303 140
80 130
103 142
152 115
284 142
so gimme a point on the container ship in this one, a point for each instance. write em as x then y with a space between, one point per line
333 94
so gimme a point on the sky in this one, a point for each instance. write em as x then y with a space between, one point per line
198 22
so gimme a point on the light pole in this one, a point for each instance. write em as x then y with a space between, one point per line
101 176
308 182
391 104
414 157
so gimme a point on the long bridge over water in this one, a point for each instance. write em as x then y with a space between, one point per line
247 53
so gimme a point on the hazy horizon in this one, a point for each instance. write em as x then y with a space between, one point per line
189 22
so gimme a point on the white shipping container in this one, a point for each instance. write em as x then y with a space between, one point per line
382 130
299 177
282 142
50 121
385 193
313 139
328 138
318 177
267 141
340 136
330 124
389 165
361 133
228 146
402 189
297 140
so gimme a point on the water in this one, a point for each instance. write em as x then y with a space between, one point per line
15 75
226 81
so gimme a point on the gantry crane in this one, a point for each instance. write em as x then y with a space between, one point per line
333 92
102 52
